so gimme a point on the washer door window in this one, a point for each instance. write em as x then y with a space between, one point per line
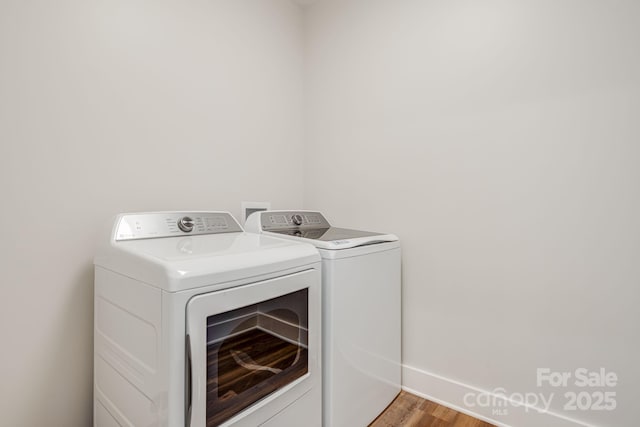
251 345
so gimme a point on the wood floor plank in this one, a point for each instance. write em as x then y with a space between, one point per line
444 413
399 412
408 410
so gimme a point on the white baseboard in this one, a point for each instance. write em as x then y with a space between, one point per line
506 413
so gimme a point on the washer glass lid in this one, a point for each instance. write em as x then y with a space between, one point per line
325 234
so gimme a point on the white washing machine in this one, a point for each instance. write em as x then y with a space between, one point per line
361 312
198 323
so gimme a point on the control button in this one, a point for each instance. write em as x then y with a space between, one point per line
297 219
186 224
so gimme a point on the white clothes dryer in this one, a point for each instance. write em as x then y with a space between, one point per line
198 323
361 316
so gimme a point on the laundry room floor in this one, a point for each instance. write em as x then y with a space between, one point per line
408 410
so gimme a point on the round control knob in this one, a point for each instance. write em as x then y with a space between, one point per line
297 219
186 224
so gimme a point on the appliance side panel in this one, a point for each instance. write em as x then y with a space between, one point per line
127 327
363 329
102 417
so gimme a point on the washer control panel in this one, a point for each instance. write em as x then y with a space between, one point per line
168 224
292 219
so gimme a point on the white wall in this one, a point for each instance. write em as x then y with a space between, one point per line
500 140
112 106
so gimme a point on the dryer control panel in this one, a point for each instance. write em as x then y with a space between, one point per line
279 220
167 224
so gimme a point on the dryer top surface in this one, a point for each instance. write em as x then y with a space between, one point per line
186 261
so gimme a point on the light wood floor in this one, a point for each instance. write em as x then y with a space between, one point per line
408 410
